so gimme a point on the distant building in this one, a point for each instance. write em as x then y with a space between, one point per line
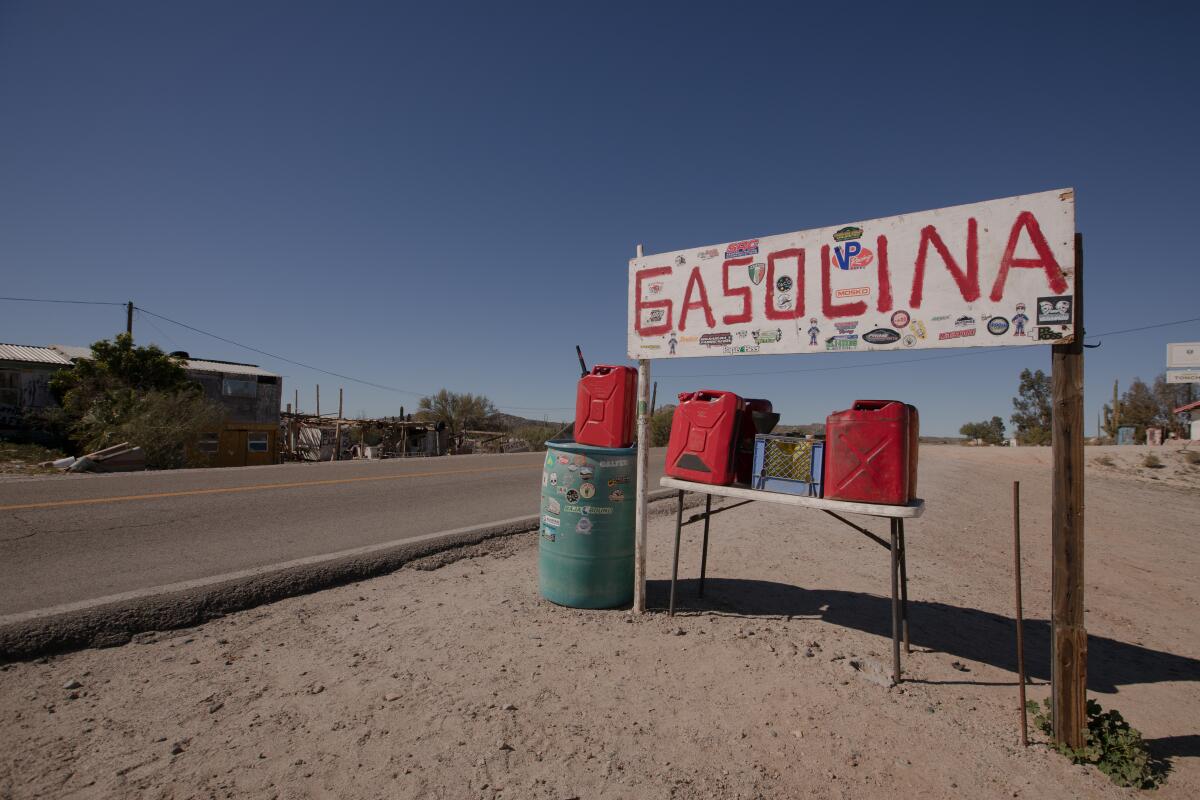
25 387
249 395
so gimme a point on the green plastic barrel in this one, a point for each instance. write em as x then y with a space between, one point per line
585 557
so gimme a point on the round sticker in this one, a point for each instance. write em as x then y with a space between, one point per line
997 326
572 496
580 461
900 319
783 284
584 525
587 491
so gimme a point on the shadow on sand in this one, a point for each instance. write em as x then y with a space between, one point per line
963 632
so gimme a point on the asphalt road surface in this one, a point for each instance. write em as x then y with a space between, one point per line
66 539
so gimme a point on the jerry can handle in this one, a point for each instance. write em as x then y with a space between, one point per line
710 395
685 396
601 369
871 405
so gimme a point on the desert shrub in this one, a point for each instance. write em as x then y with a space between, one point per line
1192 457
1110 744
1104 461
536 435
1152 461
140 395
660 426
163 424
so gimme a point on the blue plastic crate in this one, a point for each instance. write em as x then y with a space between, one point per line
788 464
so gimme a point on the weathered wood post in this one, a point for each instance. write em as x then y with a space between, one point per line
1068 654
641 513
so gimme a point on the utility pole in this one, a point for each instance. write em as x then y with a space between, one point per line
129 318
1116 413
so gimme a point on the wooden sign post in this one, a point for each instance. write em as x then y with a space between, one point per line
1068 653
641 511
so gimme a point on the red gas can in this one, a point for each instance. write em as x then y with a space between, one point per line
604 406
756 418
871 453
704 437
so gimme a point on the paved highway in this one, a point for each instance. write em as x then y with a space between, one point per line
66 539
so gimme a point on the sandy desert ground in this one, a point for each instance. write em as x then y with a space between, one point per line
452 679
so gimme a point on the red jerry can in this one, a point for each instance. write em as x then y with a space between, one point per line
871 453
748 427
704 437
604 406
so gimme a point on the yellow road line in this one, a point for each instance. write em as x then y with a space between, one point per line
253 488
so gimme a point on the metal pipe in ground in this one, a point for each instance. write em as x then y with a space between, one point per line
1020 620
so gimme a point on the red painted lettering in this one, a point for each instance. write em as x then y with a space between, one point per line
798 310
639 304
968 282
1044 261
740 291
884 302
828 307
702 303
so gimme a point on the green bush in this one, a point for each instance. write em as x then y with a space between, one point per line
140 395
1152 461
1110 744
660 426
536 435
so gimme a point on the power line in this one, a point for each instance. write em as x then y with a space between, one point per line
69 302
892 362
319 369
282 358
1149 327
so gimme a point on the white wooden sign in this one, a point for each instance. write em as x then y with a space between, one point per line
1183 376
1183 354
987 274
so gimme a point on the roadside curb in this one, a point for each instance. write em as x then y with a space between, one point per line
114 620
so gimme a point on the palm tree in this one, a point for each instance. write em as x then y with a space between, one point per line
458 411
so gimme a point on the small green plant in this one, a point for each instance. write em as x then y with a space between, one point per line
1110 744
1152 461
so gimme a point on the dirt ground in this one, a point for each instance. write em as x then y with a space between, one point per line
453 679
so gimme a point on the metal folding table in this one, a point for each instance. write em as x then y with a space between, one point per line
894 514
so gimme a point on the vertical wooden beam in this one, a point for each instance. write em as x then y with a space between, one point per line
340 416
641 515
318 399
1068 654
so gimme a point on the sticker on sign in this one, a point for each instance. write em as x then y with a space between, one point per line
1012 258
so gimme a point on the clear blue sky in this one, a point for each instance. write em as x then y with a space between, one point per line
430 195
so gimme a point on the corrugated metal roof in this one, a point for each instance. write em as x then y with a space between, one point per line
197 364
71 351
228 367
30 353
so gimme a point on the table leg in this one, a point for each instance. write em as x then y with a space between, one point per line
895 554
904 585
704 552
675 563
